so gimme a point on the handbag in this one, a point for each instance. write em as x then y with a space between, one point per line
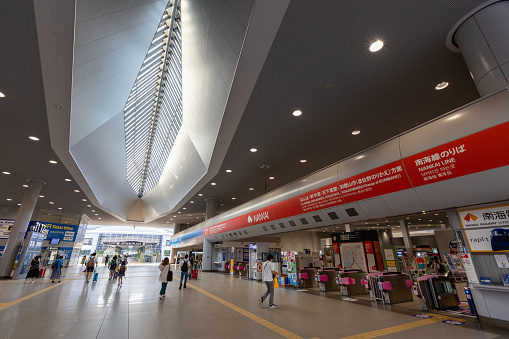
169 276
276 283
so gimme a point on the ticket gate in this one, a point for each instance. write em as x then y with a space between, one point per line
327 280
350 282
307 277
436 292
389 287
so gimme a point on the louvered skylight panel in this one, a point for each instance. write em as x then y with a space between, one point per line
153 112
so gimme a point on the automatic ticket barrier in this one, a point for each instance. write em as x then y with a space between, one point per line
350 282
327 280
307 277
389 287
436 292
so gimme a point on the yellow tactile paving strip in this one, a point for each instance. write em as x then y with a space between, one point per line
4 306
389 330
261 321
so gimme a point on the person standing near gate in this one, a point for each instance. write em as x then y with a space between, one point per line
268 277
184 267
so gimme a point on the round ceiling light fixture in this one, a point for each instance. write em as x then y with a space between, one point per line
58 107
6 172
52 162
2 95
228 171
67 179
200 195
251 188
356 132
376 46
77 191
25 185
33 138
253 150
297 113
213 183
51 203
60 208
271 178
303 160
9 199
234 198
441 85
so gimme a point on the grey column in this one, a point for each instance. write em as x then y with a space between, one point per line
406 237
206 262
20 227
482 39
211 208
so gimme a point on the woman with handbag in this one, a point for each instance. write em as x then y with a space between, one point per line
165 276
33 271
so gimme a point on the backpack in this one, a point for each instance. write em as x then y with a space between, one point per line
184 266
90 262
113 264
54 265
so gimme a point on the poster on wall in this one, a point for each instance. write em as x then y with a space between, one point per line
5 228
63 232
488 239
486 229
352 256
466 261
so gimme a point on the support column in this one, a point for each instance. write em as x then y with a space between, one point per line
20 227
211 208
482 39
206 262
406 237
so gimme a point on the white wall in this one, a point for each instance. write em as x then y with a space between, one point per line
297 241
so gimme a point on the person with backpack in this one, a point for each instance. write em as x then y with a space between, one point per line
113 266
106 260
165 276
268 277
191 266
90 267
56 268
184 267
121 272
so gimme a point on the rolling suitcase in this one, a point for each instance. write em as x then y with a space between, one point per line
96 275
42 272
195 274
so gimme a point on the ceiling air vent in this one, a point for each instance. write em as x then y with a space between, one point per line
351 212
273 227
265 228
292 223
282 225
317 218
304 221
245 232
333 215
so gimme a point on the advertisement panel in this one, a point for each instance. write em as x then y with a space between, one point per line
5 228
63 232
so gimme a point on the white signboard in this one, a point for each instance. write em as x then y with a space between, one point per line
5 228
501 260
485 217
466 260
493 239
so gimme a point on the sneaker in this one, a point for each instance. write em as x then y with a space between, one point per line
160 297
180 287
260 301
184 286
164 295
273 306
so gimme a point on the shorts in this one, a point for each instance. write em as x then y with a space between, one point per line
90 269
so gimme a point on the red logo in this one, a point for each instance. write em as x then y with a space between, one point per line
469 217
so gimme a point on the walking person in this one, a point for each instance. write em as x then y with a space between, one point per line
184 267
121 272
106 260
33 271
83 260
56 268
268 277
91 265
164 267
191 266
113 266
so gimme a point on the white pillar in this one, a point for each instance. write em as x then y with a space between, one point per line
406 237
20 227
206 262
482 39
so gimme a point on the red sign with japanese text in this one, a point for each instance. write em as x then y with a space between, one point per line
474 153
381 180
323 197
335 247
259 216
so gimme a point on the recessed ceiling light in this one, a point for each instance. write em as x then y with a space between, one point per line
96 214
51 203
441 85
34 138
297 113
52 162
92 210
2 95
25 185
303 160
83 199
251 188
234 198
418 219
179 212
253 150
89 205
99 218
19 204
58 106
213 183
271 178
200 195
167 222
60 208
67 179
9 199
6 172
191 202
184 208
376 46
228 171
356 132
41 196
77 191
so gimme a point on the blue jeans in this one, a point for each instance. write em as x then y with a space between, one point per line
182 276
163 288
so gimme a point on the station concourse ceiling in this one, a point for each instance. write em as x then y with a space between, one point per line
319 63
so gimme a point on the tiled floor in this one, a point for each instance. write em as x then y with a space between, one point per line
215 306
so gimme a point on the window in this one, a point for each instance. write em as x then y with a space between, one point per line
87 241
168 242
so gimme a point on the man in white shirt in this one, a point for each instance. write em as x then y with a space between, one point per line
268 272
